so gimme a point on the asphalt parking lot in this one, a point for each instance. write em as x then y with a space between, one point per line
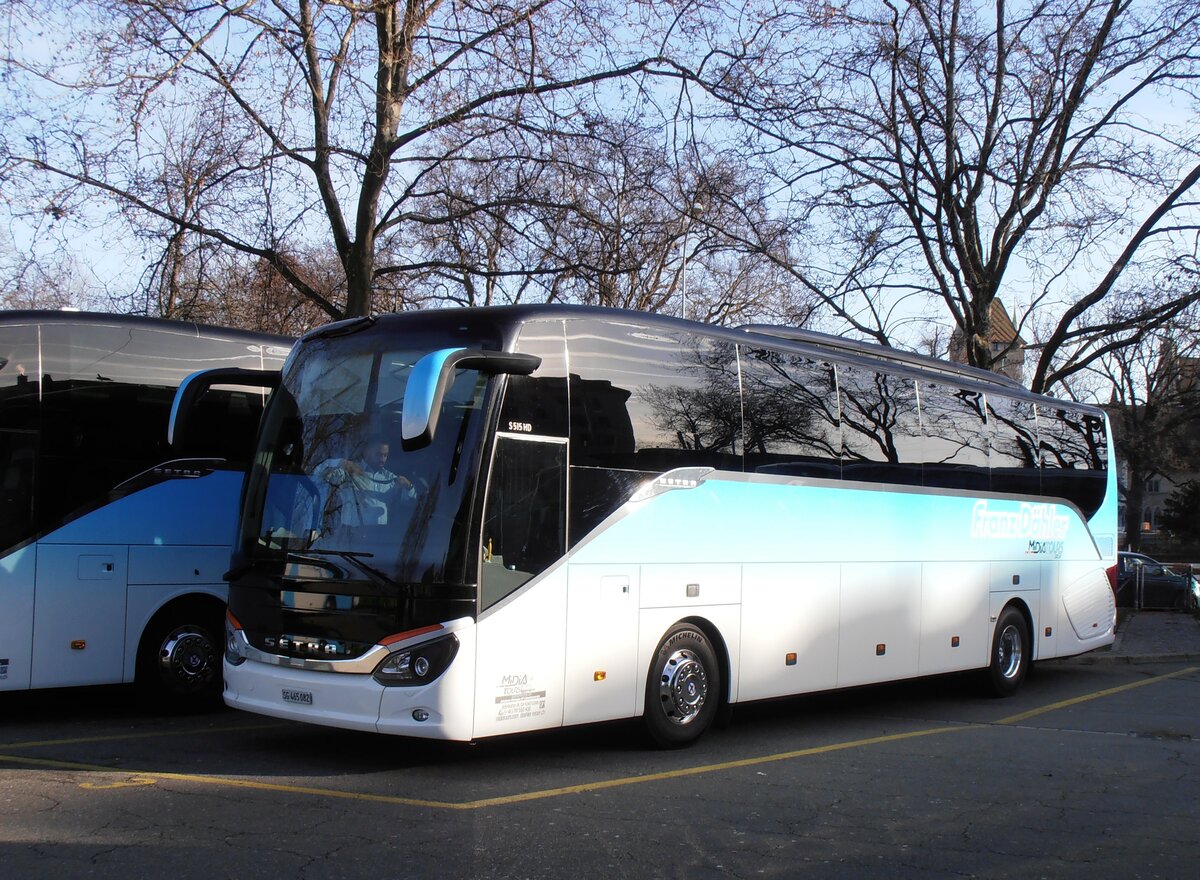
1090 771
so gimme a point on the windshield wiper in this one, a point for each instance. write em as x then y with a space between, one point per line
355 558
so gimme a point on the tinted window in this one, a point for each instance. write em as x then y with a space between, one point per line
651 400
596 493
106 393
791 415
96 435
955 451
537 404
1074 450
19 422
524 528
339 403
1014 448
224 426
644 401
881 430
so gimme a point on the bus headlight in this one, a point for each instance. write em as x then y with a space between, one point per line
235 646
235 643
418 665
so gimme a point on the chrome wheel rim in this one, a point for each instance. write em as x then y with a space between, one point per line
187 660
1009 652
683 687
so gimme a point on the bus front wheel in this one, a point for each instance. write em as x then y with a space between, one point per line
1011 652
179 659
683 690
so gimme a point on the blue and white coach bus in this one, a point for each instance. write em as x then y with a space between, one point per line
474 522
112 543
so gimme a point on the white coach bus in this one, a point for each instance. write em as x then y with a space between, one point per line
475 522
113 541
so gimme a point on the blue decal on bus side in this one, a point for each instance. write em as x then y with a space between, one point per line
735 520
171 512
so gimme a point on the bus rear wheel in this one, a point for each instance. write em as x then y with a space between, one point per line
683 689
1011 652
179 658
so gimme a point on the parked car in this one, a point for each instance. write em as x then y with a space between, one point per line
1143 582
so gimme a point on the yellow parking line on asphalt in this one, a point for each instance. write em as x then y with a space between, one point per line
141 734
713 768
132 782
1107 692
137 777
143 777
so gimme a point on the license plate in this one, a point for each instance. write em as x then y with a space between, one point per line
304 697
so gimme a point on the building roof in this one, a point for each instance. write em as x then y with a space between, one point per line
1003 329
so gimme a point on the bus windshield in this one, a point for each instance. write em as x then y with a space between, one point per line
333 496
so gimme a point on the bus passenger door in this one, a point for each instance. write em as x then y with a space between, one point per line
602 643
523 596
16 618
18 450
79 614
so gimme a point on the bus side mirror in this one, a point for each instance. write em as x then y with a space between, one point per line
432 375
193 387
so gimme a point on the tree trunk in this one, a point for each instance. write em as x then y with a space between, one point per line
359 264
1135 502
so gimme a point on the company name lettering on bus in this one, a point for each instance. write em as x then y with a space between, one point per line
1045 548
515 699
1035 522
3 668
306 646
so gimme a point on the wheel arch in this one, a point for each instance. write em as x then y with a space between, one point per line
170 606
713 633
1011 654
1026 612
148 604
187 610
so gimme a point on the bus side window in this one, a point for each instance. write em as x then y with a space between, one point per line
791 415
95 435
1073 449
652 401
599 423
537 404
881 432
524 526
1012 428
642 403
225 425
18 450
601 430
955 430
